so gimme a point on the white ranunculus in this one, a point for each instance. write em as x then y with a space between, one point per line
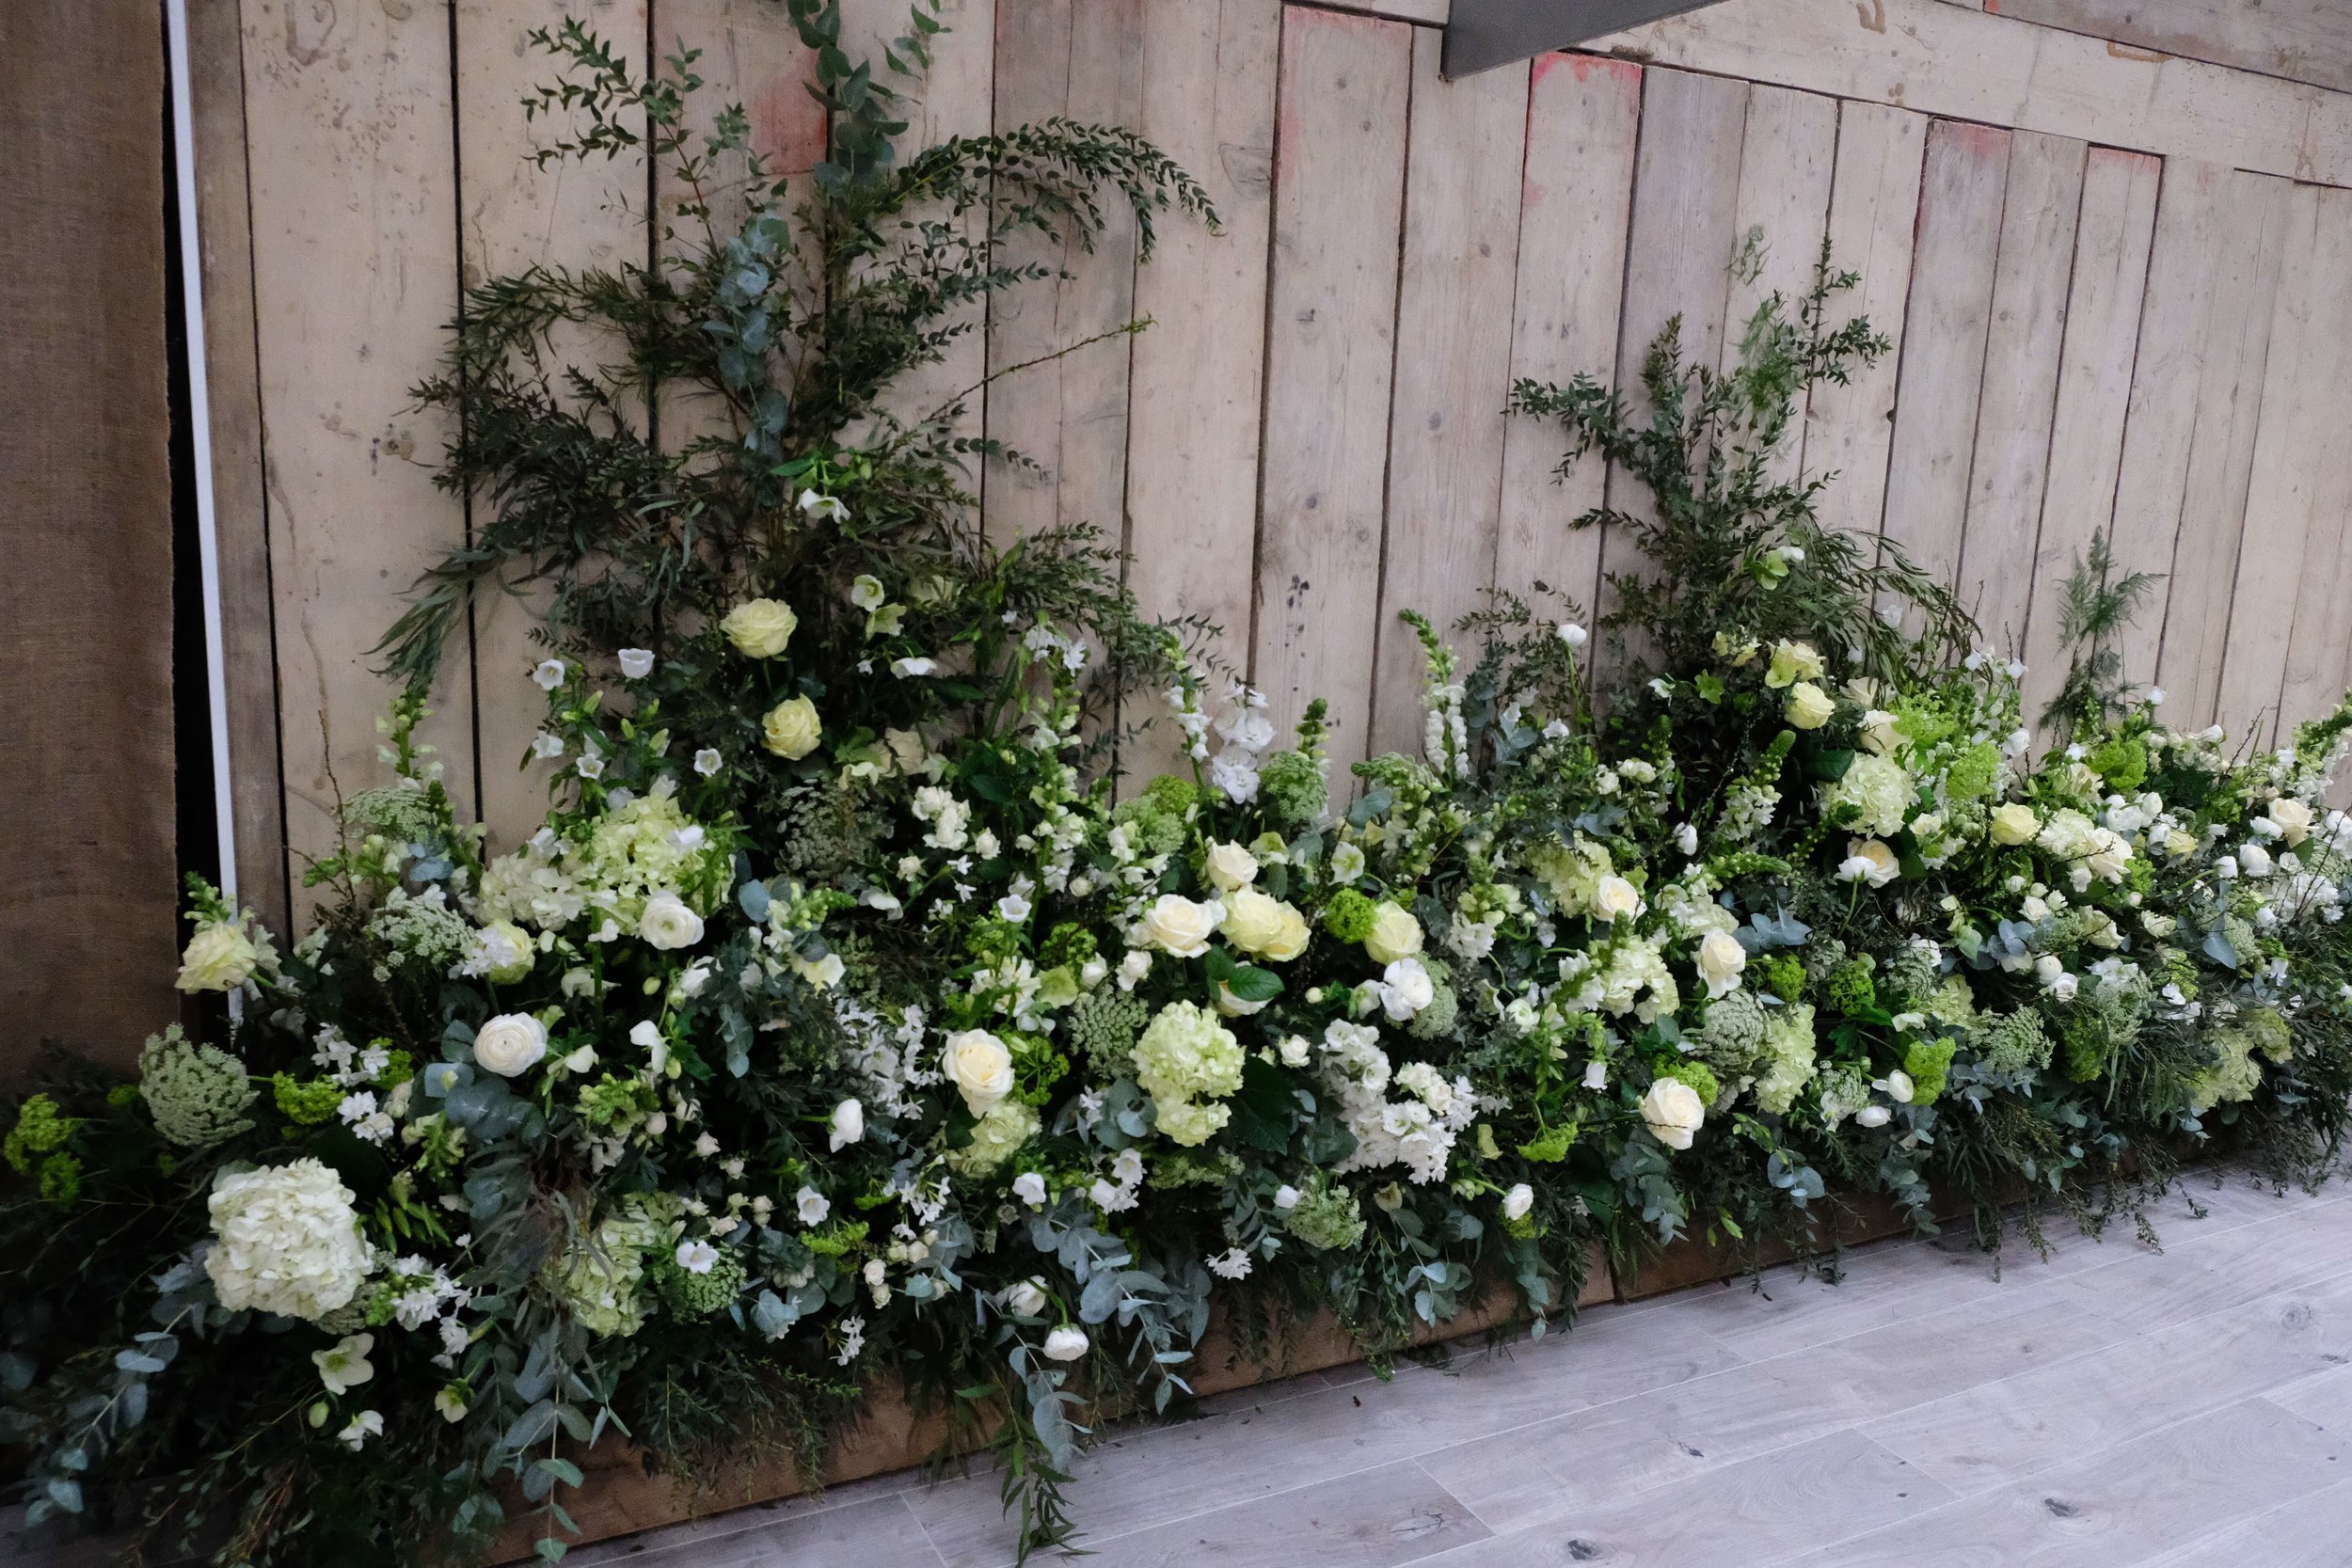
1673 1111
1396 934
286 1241
1720 960
1286 1197
1406 989
510 1043
636 663
1178 926
344 1365
848 1125
1066 1343
1614 898
1873 1115
1518 1201
1880 862
1232 865
1809 707
220 956
1027 1298
669 923
760 627
980 1067
1570 633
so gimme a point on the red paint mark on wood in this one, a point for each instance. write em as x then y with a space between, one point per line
788 125
1982 141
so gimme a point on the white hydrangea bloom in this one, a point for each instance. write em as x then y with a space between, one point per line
288 1241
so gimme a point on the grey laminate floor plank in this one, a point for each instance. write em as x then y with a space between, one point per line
2313 1530
2121 1506
1377 1518
1752 1512
680 1543
880 1531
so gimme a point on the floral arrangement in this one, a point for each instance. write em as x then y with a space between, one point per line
849 1020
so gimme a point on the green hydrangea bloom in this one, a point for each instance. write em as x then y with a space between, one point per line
39 1130
2268 1033
1291 789
1349 915
1928 1063
2121 761
1104 1025
1782 974
1951 1002
1184 1060
1787 1062
2233 1076
1971 775
996 1137
1069 945
306 1104
599 1280
1328 1217
198 1094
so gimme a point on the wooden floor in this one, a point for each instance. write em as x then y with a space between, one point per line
2114 1407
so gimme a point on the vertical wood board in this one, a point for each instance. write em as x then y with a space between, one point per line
1788 156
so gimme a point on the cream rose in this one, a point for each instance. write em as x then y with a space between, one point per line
1792 662
1878 731
1177 926
1809 707
510 1043
1232 865
2293 819
1615 899
1880 864
792 728
1720 960
1673 1111
1396 934
978 1065
220 956
760 627
1290 937
2015 824
668 923
1253 920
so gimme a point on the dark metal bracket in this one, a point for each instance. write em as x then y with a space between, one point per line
1482 34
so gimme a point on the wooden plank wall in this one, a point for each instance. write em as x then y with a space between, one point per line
2112 274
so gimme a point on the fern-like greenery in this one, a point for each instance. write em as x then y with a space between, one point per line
2094 611
638 440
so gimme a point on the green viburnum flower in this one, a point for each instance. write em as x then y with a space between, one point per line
305 1103
39 1130
1927 1061
1349 915
1291 789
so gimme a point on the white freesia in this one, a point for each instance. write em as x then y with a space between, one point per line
510 1043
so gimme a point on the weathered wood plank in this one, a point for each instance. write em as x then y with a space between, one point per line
2043 198
1372 1518
2094 389
1945 60
1679 255
515 216
240 504
1068 415
354 202
1576 204
1945 329
1198 377
1462 191
2293 460
1788 156
2316 666
1339 194
1873 215
2305 41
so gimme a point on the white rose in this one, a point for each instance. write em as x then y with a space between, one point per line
2293 819
1673 1111
760 627
1809 707
1613 896
510 1043
1286 1197
668 923
2015 824
1026 1299
1178 926
848 1125
1256 923
1396 934
1406 989
1518 1201
1878 731
1066 1343
791 729
978 1064
1232 865
1873 1115
1721 959
220 956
